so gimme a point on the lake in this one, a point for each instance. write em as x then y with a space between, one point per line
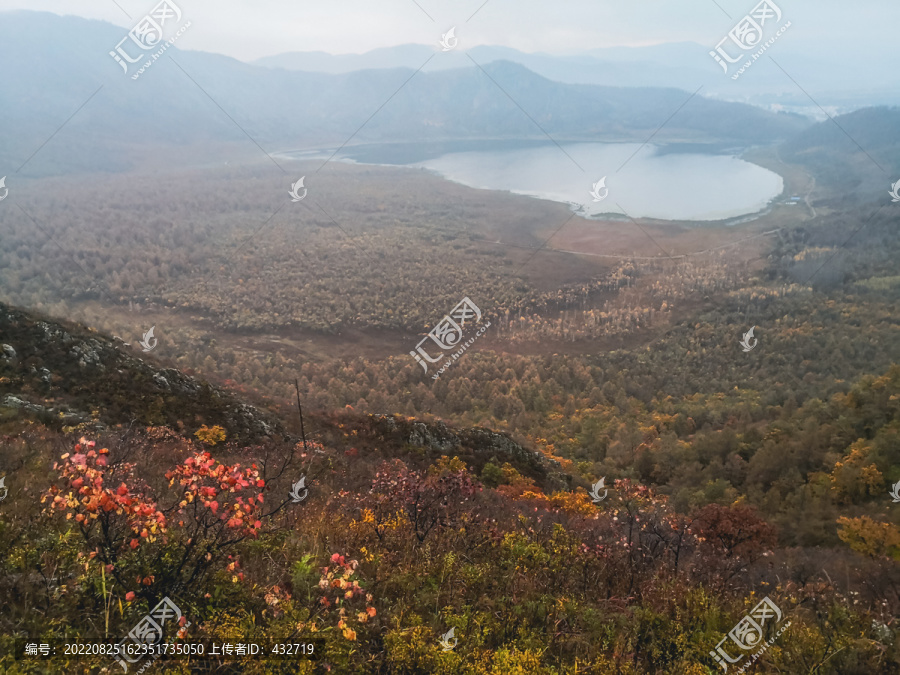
642 181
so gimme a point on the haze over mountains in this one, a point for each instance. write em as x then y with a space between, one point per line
684 65
306 100
219 99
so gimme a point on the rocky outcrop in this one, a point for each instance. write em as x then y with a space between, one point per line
478 445
66 369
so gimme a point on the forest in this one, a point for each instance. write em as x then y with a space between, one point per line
732 479
399 541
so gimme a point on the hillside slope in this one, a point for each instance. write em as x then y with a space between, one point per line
66 375
68 371
377 534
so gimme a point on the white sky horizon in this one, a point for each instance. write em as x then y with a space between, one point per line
271 27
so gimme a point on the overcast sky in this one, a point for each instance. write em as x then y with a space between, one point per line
249 30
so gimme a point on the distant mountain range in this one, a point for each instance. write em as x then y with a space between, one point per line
849 82
310 100
199 98
615 67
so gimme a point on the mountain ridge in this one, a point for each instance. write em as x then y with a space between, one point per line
59 372
203 98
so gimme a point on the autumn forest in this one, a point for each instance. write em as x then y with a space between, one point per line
392 423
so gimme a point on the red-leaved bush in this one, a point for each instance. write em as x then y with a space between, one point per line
152 550
427 501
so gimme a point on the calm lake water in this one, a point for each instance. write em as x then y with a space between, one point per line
642 181
650 185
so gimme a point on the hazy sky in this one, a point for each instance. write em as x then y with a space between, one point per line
249 30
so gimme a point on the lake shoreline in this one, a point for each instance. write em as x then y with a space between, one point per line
705 183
